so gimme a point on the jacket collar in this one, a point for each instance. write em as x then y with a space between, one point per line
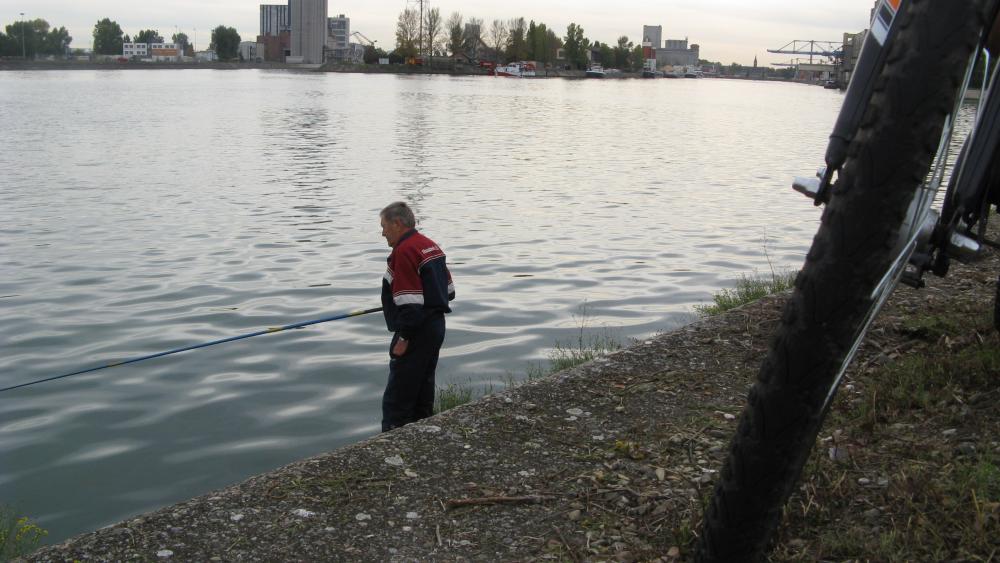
405 236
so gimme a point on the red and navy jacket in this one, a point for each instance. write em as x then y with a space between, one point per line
416 285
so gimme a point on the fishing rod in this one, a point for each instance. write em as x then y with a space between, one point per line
205 345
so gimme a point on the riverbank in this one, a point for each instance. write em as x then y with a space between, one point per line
614 459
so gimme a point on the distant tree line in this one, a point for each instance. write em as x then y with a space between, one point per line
34 38
503 41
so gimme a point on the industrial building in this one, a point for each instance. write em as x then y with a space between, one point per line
653 34
338 39
275 19
157 52
338 42
670 52
252 52
275 32
675 52
301 32
309 31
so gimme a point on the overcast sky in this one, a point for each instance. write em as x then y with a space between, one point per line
727 30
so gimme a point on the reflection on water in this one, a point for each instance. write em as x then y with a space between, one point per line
137 220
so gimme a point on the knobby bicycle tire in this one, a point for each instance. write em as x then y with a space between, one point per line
853 249
996 306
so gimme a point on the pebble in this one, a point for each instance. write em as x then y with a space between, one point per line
407 528
164 553
395 460
950 432
412 516
574 412
361 516
303 513
574 515
410 473
236 517
839 455
966 448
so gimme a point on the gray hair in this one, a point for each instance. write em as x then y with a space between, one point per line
399 210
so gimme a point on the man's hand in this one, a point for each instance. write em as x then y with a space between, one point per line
400 348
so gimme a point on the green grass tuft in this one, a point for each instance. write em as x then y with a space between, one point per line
748 289
585 349
453 395
18 534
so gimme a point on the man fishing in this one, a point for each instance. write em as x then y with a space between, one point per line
416 290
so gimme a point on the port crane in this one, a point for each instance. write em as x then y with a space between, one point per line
829 49
364 39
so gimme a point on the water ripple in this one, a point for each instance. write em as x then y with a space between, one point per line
571 219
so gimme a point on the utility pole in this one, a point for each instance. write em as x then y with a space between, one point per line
24 51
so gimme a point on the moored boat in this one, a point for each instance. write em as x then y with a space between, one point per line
595 71
673 72
649 69
520 69
692 72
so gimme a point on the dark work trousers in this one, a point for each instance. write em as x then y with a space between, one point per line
409 393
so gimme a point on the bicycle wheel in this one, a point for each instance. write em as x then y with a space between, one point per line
844 276
996 307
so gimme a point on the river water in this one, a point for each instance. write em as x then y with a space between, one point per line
149 210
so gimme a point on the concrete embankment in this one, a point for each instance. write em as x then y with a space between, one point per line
611 460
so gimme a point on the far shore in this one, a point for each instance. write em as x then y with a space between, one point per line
456 70
460 69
